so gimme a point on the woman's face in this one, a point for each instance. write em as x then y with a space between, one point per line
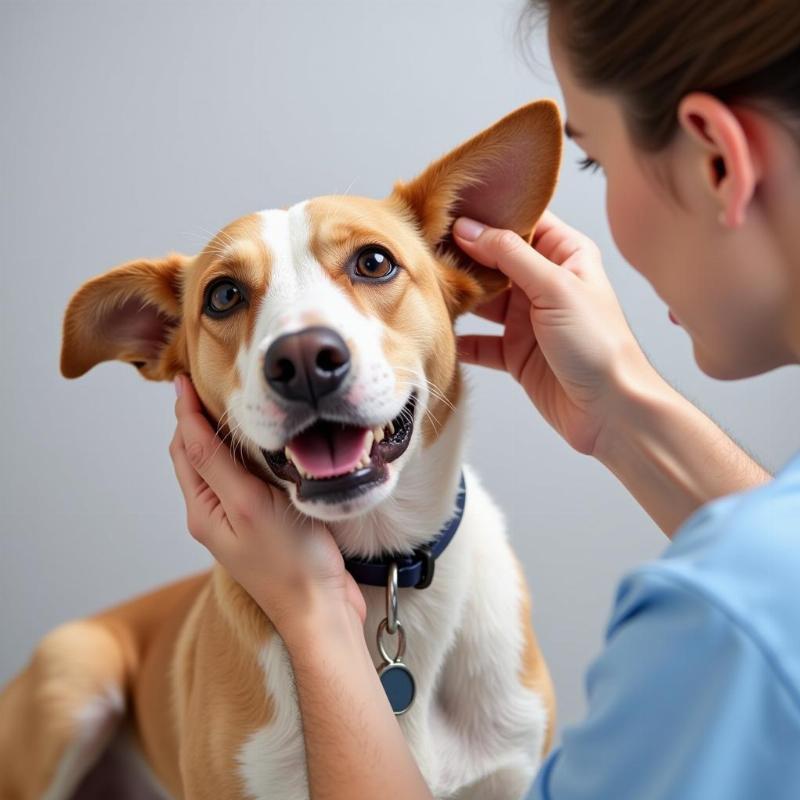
730 289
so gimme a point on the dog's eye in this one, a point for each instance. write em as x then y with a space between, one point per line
372 263
222 297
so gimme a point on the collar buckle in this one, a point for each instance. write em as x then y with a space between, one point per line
428 562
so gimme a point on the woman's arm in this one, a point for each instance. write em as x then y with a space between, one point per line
354 746
568 344
671 457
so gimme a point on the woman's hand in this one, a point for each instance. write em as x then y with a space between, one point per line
567 342
566 339
289 564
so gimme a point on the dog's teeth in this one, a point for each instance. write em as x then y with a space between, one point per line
378 435
370 438
390 428
290 456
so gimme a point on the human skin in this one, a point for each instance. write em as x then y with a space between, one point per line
724 255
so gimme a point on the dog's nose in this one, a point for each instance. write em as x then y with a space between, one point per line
307 365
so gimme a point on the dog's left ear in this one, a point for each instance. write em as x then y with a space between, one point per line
132 313
504 177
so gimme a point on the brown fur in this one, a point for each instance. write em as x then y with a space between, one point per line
237 251
183 653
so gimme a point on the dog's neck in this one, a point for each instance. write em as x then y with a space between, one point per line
421 503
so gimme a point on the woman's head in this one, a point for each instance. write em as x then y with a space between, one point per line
693 111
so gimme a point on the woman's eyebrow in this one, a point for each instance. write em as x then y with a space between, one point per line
570 132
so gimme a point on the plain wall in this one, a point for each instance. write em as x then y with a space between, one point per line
135 128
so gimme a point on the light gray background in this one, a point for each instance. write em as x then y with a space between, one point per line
133 128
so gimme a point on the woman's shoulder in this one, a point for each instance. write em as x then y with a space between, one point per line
739 555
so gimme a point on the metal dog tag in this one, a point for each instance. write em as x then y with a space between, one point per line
396 677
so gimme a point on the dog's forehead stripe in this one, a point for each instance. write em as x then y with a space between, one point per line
287 236
300 286
276 229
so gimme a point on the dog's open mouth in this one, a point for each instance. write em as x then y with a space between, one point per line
334 461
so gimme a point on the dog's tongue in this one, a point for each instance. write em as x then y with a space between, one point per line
327 450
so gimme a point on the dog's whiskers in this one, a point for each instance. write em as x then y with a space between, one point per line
222 421
433 388
433 418
233 433
201 233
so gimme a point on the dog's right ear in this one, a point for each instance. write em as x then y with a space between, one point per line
504 177
133 314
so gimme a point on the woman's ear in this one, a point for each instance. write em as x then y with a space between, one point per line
504 177
730 167
133 314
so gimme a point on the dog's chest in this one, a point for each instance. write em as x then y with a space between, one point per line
273 759
465 668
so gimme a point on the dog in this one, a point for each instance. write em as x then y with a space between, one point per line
321 339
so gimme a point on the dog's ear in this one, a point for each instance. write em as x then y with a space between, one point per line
133 314
504 177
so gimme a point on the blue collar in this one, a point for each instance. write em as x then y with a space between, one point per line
417 569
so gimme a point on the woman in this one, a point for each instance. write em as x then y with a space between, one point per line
692 109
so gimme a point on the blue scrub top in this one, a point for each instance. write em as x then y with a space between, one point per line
697 693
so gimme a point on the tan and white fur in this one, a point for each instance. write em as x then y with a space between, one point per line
188 691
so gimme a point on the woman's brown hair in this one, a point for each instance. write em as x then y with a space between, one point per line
651 53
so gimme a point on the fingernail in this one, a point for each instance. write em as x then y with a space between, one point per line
467 229
178 385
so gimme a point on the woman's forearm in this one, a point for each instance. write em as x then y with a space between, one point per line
670 455
354 747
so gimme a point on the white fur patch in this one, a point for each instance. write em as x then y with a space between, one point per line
272 762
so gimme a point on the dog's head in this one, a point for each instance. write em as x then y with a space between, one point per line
321 337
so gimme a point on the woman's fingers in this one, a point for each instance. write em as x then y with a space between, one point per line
568 247
200 500
485 351
239 492
192 485
554 229
538 277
